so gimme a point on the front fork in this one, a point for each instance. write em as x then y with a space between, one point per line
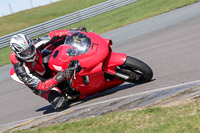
120 75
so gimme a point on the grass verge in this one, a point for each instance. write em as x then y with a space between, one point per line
131 13
176 119
27 18
113 19
5 56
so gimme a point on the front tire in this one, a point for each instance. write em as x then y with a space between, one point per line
136 70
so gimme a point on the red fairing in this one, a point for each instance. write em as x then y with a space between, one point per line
108 41
59 59
95 62
113 60
97 54
97 82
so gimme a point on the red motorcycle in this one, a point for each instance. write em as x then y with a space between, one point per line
98 68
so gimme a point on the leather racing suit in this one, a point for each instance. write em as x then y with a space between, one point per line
36 75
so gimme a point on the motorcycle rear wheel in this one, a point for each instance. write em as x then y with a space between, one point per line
136 70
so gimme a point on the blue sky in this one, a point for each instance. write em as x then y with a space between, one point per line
20 5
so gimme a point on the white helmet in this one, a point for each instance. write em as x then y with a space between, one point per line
23 47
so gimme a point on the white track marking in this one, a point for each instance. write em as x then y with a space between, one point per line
114 99
141 93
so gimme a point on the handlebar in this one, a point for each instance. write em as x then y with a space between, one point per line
73 66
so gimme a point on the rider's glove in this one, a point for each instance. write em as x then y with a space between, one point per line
81 28
65 75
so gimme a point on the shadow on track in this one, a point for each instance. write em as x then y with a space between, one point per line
101 94
49 109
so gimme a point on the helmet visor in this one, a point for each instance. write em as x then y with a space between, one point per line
29 52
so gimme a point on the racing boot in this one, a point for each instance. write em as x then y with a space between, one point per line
59 103
57 100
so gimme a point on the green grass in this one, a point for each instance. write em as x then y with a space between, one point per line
99 24
5 56
177 119
24 19
131 13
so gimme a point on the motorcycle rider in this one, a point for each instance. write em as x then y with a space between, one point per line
32 69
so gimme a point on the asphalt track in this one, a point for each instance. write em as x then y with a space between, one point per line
169 43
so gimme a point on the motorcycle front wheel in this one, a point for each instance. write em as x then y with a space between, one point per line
134 71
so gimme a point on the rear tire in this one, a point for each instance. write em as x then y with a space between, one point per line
138 71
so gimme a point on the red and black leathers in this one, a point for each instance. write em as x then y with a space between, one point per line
34 74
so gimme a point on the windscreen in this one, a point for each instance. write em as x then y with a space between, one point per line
80 43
